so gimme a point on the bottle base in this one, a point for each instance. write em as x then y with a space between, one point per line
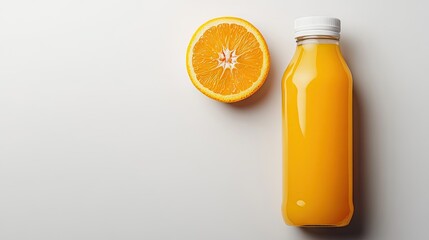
319 224
342 223
341 217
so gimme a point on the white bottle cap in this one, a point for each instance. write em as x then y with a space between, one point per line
317 25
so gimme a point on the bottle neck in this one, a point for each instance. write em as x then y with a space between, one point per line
317 39
311 48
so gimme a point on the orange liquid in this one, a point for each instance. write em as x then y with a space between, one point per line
317 137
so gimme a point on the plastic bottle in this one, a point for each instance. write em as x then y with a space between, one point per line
317 128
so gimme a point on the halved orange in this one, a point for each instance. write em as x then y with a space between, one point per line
227 59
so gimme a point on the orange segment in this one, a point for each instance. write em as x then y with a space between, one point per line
227 59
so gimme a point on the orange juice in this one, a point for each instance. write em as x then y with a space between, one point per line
317 128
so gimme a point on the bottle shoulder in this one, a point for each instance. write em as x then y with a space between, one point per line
323 63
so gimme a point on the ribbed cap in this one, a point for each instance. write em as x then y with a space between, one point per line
317 25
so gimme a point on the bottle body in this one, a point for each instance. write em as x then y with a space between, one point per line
317 136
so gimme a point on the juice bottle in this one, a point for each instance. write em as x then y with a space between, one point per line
317 128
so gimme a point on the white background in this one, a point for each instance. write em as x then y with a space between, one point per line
103 136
